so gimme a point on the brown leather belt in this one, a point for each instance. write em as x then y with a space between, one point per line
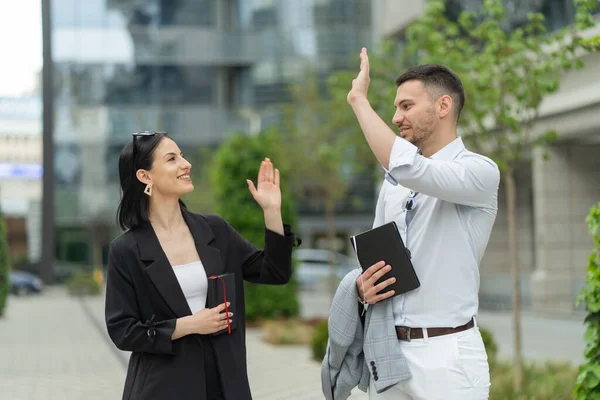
407 333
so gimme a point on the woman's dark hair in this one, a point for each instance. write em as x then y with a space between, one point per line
134 204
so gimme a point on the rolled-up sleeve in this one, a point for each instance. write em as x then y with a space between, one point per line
126 328
471 180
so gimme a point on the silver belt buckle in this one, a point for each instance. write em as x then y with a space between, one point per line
408 334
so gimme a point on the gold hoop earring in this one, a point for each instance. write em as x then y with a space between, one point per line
148 189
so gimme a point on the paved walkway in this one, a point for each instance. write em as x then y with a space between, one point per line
284 372
49 350
544 338
55 347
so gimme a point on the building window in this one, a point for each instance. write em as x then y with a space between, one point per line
102 13
558 13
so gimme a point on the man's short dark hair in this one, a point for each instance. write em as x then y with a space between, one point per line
438 80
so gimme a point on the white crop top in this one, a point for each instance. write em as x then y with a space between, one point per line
194 284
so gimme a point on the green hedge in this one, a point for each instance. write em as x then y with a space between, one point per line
239 159
4 266
547 381
491 347
319 341
588 379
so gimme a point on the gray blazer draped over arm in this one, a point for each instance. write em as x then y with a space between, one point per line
354 355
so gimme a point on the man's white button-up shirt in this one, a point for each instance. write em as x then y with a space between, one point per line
454 199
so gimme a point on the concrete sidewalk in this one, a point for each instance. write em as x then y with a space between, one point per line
56 347
51 350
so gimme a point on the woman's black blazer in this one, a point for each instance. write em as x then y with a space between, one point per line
144 299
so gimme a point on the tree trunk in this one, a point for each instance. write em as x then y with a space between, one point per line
511 212
331 236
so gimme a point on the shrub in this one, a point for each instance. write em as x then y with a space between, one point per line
237 159
82 283
588 379
490 345
319 340
4 267
550 381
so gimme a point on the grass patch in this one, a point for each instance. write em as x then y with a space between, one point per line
287 331
83 283
549 381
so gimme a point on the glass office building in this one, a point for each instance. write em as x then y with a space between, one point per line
557 13
199 69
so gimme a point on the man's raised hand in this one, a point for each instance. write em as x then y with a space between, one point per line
360 85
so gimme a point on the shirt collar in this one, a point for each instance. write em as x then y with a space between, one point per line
449 151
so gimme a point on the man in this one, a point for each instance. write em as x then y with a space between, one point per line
443 198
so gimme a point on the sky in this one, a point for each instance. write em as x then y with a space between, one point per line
20 46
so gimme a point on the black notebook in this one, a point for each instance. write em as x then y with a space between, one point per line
384 243
221 289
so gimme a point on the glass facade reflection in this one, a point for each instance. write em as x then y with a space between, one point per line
193 68
557 13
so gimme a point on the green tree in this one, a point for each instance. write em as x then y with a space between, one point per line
386 65
506 74
588 380
237 159
4 266
319 154
202 199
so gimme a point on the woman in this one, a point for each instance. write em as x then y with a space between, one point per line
157 277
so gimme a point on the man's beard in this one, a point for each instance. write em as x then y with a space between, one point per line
424 128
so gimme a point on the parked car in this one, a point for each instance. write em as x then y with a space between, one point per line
23 283
313 268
